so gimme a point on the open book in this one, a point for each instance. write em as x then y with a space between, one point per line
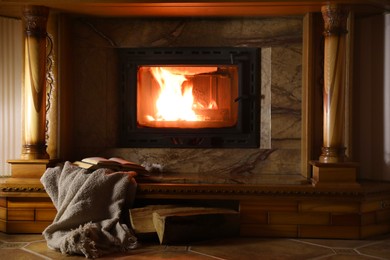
114 163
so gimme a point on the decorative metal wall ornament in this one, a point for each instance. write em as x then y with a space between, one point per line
50 80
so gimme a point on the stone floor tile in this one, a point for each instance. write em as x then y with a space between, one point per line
167 254
31 247
20 238
379 249
157 251
150 246
18 254
12 245
40 248
260 249
348 257
337 243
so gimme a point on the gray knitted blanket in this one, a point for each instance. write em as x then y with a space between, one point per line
91 208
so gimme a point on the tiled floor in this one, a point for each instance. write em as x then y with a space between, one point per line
34 247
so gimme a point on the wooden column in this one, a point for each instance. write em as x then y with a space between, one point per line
335 18
24 205
34 84
34 157
333 167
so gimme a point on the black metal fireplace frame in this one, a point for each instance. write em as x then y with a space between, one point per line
245 134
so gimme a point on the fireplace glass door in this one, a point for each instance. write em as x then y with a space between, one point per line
187 96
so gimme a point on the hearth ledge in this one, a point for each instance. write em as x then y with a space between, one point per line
234 191
16 187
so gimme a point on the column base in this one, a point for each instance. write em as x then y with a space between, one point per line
334 174
21 168
34 152
332 155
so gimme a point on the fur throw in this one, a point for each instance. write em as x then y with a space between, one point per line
92 210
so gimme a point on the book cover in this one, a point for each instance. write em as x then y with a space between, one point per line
114 163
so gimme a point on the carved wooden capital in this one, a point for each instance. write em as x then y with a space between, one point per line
335 18
35 19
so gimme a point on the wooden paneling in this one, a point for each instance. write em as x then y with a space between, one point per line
30 202
26 214
32 227
326 231
383 216
3 213
319 218
299 218
20 214
348 219
45 214
254 217
253 230
301 211
374 205
369 218
280 205
374 230
3 202
325 206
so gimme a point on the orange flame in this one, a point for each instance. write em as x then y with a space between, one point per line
176 101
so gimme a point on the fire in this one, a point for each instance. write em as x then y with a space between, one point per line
176 100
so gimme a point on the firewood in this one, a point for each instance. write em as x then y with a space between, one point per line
188 224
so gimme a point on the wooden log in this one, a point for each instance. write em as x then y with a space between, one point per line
141 220
188 224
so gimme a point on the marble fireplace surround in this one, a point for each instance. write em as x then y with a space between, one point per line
93 71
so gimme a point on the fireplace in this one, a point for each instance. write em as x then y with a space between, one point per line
98 96
189 97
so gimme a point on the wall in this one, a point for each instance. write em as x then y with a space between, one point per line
93 108
372 96
10 92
